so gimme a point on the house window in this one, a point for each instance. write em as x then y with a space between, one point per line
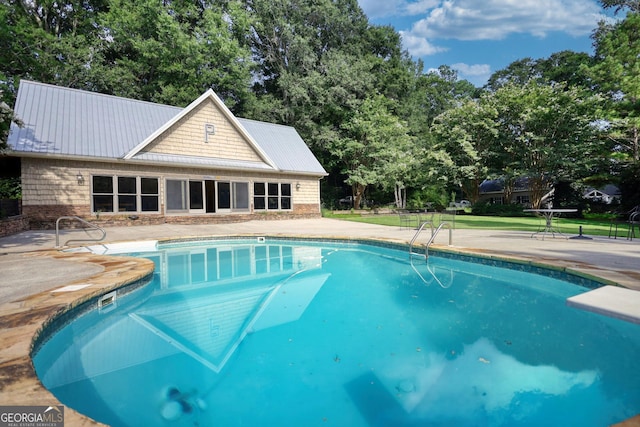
127 194
124 194
200 196
176 195
271 196
240 196
102 194
185 196
149 195
259 193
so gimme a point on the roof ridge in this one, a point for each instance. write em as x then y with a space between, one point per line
90 92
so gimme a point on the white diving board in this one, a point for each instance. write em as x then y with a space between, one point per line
612 301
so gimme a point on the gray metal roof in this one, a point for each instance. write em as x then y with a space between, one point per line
283 145
74 123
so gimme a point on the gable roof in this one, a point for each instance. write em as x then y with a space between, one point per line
71 123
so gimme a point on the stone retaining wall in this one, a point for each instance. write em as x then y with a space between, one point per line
13 225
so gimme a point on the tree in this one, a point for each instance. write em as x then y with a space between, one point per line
41 40
546 133
169 52
616 74
468 134
518 73
618 5
154 48
7 116
375 150
566 67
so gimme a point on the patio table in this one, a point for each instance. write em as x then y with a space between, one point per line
549 214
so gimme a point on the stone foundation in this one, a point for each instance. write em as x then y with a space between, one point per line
13 225
43 217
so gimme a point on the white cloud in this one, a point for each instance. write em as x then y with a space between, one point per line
484 20
478 74
420 7
496 19
419 46
476 70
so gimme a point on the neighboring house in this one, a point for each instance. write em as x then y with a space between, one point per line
124 161
608 194
492 191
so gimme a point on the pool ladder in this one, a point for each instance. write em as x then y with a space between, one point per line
434 233
86 223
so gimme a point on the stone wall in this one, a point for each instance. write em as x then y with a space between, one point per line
13 225
43 217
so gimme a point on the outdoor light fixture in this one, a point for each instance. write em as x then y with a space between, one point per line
80 178
297 186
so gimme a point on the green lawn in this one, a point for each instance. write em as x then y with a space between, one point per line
529 223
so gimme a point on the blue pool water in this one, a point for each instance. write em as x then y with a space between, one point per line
296 333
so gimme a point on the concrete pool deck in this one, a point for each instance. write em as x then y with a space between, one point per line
31 269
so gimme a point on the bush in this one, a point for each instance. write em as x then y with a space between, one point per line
10 188
489 209
630 186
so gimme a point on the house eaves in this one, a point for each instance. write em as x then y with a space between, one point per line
202 162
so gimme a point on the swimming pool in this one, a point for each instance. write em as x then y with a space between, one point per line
269 332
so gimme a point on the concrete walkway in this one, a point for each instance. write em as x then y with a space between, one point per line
616 260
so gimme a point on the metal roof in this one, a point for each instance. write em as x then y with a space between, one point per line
283 145
74 123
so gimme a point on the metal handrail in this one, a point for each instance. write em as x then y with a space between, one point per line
76 218
415 236
435 233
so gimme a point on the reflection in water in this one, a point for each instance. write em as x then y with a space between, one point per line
204 302
480 380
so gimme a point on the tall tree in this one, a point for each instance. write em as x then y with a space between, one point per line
376 149
616 74
41 40
468 134
547 134
566 67
153 48
518 72
618 5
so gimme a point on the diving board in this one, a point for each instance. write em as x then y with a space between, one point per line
612 301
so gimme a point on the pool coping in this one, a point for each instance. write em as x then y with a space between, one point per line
23 321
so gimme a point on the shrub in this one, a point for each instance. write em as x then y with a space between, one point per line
10 188
489 209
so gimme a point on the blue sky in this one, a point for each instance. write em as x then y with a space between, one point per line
479 37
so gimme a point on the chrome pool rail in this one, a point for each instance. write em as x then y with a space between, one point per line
84 222
434 233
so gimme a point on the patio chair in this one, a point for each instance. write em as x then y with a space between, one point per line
407 219
622 223
634 222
